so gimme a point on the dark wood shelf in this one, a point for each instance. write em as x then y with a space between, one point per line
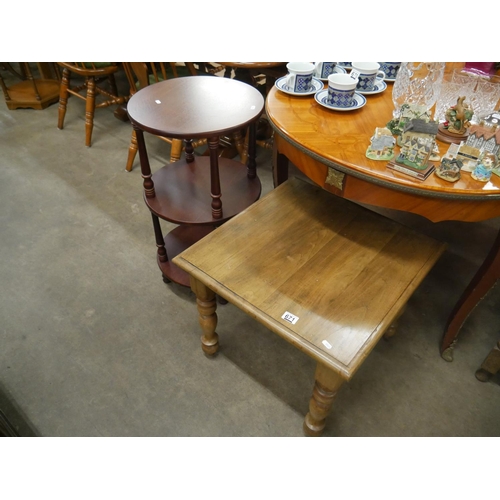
183 191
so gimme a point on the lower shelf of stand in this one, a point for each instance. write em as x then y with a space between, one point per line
177 241
183 191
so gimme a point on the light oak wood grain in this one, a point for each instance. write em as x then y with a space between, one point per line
343 270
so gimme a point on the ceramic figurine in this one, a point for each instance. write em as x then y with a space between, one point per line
483 170
407 113
458 117
417 144
382 145
449 169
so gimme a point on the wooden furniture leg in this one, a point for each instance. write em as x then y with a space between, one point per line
280 167
207 305
481 283
132 151
326 385
491 365
89 111
63 98
391 331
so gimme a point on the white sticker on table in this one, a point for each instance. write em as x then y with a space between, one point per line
291 318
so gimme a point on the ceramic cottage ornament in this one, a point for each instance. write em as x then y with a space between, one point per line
417 144
449 169
381 145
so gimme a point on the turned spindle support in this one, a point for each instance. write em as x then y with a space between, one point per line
207 305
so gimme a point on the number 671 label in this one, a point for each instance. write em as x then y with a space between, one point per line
291 318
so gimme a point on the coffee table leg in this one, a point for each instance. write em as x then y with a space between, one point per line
207 305
326 385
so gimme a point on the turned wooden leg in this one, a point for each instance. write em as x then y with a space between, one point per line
161 253
326 385
63 98
481 283
132 151
239 144
207 305
490 366
176 150
89 111
390 332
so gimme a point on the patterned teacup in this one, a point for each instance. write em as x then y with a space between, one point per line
341 88
299 78
323 69
368 74
390 69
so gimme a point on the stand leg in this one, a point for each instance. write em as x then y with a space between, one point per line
326 385
484 279
207 305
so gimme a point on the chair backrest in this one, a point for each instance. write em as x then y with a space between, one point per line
91 68
142 74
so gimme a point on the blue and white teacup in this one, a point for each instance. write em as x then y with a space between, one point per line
390 69
323 70
368 74
341 88
299 77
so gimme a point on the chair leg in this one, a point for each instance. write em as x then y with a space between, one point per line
490 366
176 150
89 111
63 98
112 84
132 151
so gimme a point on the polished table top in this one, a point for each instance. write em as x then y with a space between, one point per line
195 106
326 138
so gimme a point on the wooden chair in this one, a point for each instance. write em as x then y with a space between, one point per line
142 74
94 74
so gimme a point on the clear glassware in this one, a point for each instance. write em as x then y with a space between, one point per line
453 86
482 93
417 83
485 98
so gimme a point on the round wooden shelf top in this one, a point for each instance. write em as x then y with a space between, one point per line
195 106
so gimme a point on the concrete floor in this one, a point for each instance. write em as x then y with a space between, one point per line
93 343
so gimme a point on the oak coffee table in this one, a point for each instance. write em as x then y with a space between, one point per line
324 273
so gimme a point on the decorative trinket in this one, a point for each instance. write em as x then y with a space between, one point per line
407 113
418 141
484 168
449 169
382 145
458 117
469 157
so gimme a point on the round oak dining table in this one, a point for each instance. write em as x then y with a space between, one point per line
329 147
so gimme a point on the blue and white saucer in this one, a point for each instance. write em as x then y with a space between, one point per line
338 70
390 80
379 87
358 101
316 84
347 65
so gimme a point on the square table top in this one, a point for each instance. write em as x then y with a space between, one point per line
345 272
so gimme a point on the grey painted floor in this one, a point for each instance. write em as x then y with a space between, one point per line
93 343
